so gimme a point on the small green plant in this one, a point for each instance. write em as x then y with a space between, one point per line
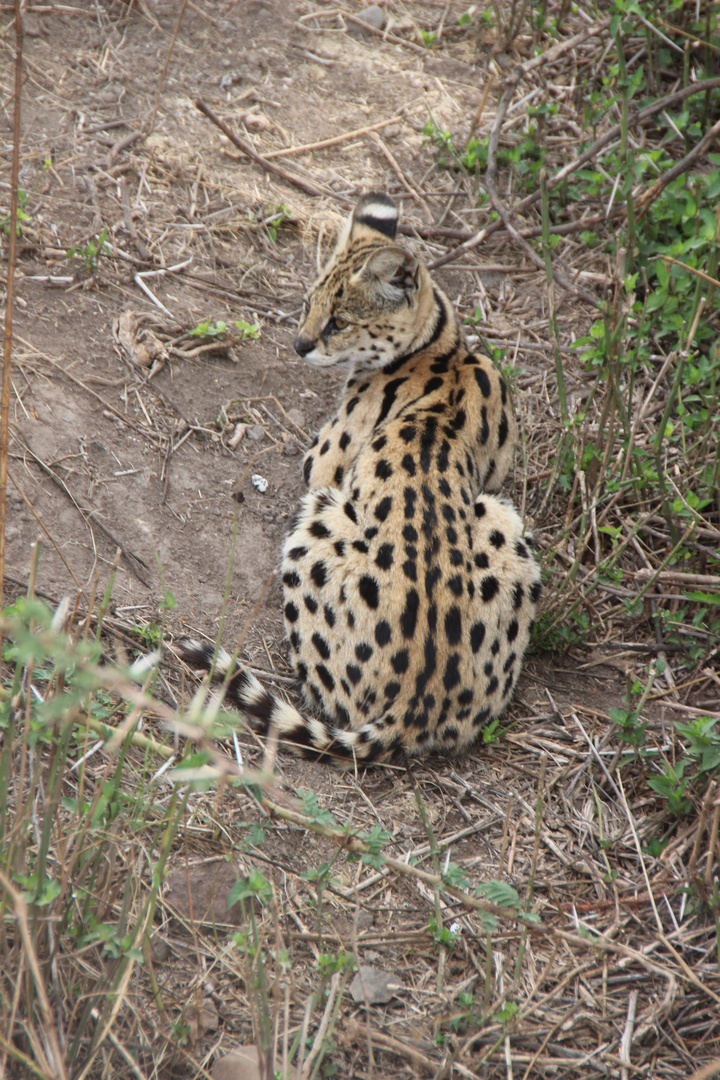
216 331
248 331
442 935
276 220
208 329
91 253
478 316
671 786
428 37
22 217
149 635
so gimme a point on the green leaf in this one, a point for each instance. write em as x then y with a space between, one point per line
500 893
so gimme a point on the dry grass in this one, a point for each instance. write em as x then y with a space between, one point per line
544 910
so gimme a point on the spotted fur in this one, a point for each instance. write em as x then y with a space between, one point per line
410 588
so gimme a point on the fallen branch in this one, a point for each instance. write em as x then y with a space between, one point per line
304 185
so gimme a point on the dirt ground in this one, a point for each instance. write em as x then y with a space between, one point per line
127 474
108 453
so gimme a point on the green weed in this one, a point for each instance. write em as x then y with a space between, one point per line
22 216
91 253
217 331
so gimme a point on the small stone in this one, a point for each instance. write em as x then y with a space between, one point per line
239 1064
160 950
200 892
296 416
209 1018
256 432
374 986
374 16
259 482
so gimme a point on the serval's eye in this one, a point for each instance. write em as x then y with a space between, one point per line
337 324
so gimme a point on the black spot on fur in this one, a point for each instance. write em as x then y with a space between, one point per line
318 530
392 689
363 651
485 427
345 440
455 585
503 428
354 673
408 619
291 579
383 633
477 635
319 573
384 558
383 508
297 553
321 645
291 613
451 676
481 717
400 662
481 378
489 588
325 677
496 538
368 589
453 625
535 590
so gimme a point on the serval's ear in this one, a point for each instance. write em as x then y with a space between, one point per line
391 274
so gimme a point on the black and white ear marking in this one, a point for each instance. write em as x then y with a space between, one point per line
378 212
